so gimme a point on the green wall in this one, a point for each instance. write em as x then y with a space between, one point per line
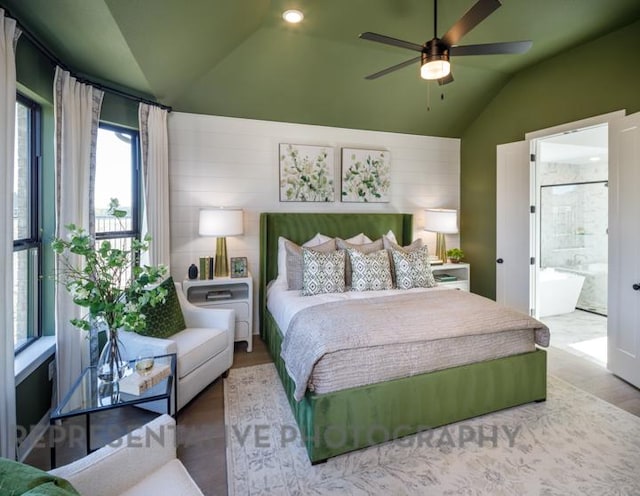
33 398
595 78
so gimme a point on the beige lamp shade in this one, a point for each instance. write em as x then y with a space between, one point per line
441 221
220 222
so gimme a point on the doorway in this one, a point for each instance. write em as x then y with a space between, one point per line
571 192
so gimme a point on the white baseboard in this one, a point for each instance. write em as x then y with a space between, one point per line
37 431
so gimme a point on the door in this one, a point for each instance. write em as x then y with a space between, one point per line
623 339
513 248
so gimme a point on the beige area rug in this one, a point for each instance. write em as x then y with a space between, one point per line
572 444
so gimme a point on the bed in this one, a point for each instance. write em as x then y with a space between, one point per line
336 422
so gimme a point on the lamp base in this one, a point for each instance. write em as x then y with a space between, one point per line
441 247
221 266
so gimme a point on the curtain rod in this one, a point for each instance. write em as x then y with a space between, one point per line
55 60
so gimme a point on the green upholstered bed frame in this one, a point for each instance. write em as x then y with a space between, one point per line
335 423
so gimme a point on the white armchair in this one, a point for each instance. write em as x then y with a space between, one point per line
204 350
142 462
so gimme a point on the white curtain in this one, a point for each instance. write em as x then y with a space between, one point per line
155 167
77 111
9 34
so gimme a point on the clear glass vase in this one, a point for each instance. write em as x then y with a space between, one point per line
113 363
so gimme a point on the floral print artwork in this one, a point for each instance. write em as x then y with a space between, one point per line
306 173
365 175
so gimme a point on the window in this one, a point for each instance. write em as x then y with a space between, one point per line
27 242
117 176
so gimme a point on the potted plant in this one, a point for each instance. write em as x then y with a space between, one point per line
455 255
108 281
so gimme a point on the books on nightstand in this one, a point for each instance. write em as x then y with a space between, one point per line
137 384
444 277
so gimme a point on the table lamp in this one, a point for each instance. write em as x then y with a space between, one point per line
441 221
220 222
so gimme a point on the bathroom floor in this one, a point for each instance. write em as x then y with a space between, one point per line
580 333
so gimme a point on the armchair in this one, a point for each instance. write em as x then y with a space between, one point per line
142 462
204 350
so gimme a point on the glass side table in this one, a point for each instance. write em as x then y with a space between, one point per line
89 395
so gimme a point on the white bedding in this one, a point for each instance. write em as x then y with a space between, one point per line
348 368
284 304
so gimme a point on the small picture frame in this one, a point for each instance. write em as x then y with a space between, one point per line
238 266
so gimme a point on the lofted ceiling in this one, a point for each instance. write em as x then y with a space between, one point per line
239 58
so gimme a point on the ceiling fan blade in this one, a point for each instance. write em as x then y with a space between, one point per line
507 47
386 71
474 16
446 80
387 40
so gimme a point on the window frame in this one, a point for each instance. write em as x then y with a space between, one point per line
136 182
34 241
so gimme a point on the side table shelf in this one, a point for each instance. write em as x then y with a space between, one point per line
226 292
461 272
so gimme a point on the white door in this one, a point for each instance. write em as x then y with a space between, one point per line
513 267
624 255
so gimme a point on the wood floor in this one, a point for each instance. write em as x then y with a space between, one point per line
201 430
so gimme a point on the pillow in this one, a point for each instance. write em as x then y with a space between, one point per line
363 248
391 245
391 237
318 239
358 239
18 478
294 260
164 319
370 271
282 253
323 272
413 269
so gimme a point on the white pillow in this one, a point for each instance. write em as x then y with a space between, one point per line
391 237
358 239
318 239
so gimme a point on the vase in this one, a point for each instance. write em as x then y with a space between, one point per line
113 363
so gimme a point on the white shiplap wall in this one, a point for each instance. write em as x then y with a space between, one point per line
223 161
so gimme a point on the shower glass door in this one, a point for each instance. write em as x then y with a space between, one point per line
573 237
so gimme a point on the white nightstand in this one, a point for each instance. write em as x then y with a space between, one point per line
226 292
461 271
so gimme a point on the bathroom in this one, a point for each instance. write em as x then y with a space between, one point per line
572 199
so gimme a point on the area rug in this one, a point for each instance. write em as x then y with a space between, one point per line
572 444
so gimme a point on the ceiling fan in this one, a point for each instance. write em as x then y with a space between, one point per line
435 53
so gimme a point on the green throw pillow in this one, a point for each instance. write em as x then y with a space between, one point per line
20 479
165 319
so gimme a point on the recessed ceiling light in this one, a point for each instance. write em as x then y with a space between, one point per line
594 159
293 16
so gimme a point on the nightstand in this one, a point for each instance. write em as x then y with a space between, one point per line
226 292
461 272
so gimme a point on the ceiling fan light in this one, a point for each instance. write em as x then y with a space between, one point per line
435 69
293 16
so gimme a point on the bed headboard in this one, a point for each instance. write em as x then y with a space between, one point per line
299 227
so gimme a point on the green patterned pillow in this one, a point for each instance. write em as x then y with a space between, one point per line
413 269
370 271
18 478
165 319
392 246
322 272
362 248
294 260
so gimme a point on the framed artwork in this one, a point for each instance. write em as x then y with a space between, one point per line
365 175
238 267
306 173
